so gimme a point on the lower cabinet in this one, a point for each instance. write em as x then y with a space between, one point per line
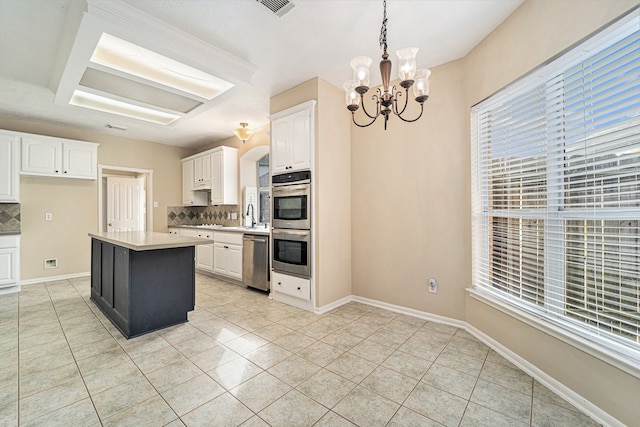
204 253
227 254
9 262
290 285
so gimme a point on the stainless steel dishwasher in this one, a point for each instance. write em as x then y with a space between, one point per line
255 261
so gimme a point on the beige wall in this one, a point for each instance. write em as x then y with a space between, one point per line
411 203
537 31
74 203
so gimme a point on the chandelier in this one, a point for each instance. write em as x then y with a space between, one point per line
387 101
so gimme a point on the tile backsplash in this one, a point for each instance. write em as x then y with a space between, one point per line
9 217
195 215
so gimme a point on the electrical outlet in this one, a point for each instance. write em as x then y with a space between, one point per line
433 286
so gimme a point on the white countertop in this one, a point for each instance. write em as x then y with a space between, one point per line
147 241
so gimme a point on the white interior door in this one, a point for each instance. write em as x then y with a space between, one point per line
123 204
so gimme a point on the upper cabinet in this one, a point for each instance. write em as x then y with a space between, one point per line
224 176
9 168
47 156
211 177
190 197
292 133
202 172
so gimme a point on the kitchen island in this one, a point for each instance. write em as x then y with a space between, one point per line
143 281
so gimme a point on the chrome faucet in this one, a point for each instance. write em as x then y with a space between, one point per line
253 218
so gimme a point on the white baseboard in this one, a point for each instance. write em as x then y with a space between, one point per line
327 308
412 312
548 381
54 278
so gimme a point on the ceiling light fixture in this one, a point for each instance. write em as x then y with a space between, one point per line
243 133
387 101
108 105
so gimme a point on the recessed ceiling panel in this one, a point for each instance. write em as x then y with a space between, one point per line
135 60
125 88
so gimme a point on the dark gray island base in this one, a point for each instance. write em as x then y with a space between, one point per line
141 291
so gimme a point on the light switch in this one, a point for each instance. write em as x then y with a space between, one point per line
155 204
48 216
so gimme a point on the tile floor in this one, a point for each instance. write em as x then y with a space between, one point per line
243 359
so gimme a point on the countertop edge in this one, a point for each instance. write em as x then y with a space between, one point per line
162 240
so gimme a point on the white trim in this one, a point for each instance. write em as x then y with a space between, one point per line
607 355
331 306
55 278
149 200
412 312
548 381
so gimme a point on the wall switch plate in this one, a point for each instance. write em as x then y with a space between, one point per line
155 204
234 215
48 216
433 286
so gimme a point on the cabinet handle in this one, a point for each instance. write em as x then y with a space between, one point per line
298 287
65 171
226 247
57 171
280 283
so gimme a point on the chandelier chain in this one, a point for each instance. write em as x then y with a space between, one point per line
383 30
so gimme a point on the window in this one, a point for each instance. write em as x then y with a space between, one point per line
556 191
264 213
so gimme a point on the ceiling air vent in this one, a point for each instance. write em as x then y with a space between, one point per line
279 7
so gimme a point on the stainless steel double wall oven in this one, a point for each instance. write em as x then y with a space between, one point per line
292 223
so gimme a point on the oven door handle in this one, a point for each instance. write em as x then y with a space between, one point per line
288 189
302 233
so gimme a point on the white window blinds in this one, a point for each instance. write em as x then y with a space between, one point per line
556 189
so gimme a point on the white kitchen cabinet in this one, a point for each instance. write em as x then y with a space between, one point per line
292 133
57 157
290 285
227 254
189 196
9 168
204 253
9 262
202 172
224 176
211 177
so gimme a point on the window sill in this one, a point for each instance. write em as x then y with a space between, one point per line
614 354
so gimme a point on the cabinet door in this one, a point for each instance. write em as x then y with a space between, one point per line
217 178
219 258
8 266
190 197
9 168
279 148
187 182
234 253
202 171
204 257
300 142
80 160
41 156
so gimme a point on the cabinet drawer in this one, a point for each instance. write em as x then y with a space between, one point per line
232 238
290 285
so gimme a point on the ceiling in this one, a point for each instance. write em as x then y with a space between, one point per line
315 38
